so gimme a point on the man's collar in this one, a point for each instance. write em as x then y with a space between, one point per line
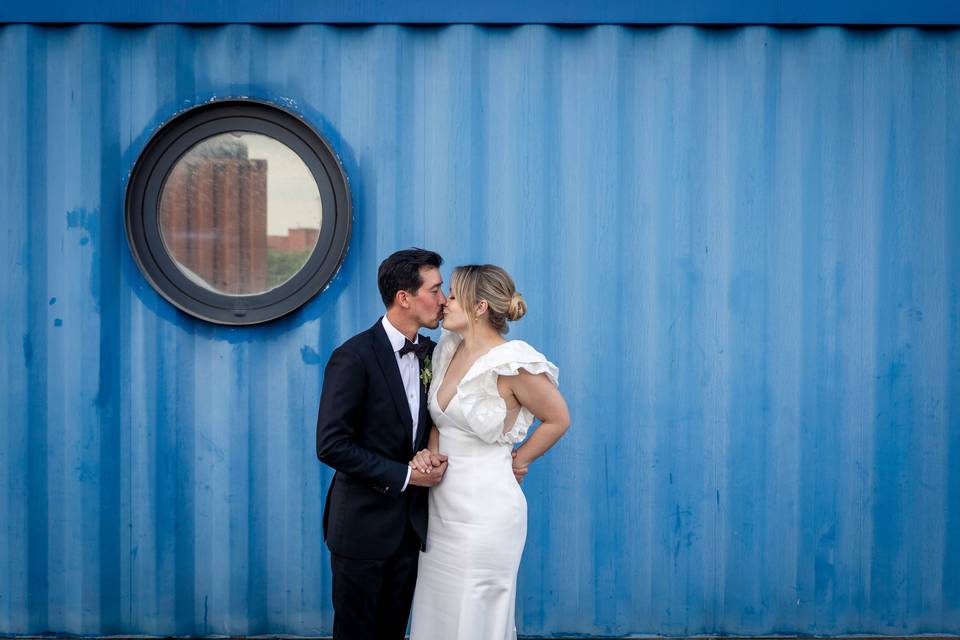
397 339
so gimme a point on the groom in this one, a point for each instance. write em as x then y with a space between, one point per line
373 418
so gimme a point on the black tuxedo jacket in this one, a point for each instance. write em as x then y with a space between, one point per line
364 431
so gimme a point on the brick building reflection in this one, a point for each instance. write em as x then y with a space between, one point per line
214 218
296 241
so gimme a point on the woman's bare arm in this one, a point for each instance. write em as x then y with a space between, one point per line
542 398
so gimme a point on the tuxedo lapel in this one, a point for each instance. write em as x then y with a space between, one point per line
388 364
423 425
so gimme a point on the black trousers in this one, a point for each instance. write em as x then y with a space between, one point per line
372 598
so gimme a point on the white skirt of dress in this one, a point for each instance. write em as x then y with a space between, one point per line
467 578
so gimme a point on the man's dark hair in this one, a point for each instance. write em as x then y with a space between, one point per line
401 272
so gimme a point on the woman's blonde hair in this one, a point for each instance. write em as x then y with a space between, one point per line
475 282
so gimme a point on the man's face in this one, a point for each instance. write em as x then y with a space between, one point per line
426 304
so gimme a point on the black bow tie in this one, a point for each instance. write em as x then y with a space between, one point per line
420 349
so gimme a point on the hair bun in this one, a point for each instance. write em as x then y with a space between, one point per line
517 307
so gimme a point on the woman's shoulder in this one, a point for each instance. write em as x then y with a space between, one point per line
515 350
510 357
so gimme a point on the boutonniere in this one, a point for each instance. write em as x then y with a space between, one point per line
426 373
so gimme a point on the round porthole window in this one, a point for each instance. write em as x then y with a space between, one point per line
238 212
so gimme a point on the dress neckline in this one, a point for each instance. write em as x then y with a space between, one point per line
466 374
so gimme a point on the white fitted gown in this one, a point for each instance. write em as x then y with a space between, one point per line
467 578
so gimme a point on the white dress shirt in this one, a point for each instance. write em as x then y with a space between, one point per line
410 375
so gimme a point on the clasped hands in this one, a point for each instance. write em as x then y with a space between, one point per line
427 468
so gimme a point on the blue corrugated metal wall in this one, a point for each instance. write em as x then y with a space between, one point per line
702 12
740 246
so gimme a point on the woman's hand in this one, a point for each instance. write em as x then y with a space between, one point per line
425 461
520 469
422 461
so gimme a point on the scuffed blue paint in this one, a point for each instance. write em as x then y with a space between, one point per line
739 246
81 219
310 356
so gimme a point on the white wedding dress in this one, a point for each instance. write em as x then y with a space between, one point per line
467 578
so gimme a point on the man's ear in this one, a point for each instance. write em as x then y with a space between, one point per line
402 298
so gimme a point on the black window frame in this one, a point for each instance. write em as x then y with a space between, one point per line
142 206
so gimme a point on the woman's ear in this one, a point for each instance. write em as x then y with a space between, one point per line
481 308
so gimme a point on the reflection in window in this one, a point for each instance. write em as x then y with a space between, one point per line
240 213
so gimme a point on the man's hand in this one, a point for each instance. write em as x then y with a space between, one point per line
431 479
519 471
427 468
425 460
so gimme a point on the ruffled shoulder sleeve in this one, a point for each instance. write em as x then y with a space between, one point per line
480 401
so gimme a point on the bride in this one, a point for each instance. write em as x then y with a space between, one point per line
484 395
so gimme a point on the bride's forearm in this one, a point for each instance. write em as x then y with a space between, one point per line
541 398
434 443
543 437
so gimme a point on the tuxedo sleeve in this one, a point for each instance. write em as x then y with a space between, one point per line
341 399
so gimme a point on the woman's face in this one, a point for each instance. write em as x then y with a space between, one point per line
454 318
